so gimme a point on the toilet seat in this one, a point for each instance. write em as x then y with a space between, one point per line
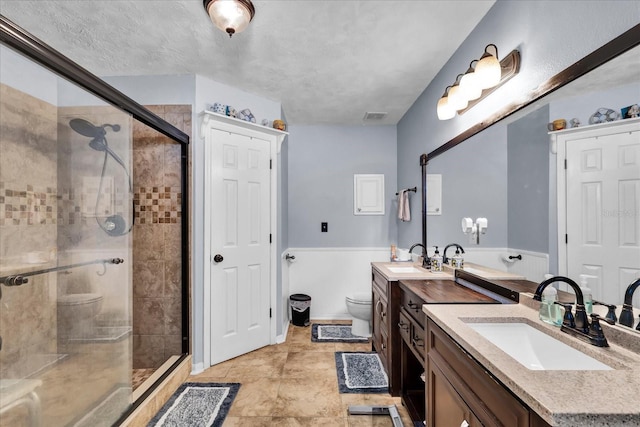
359 298
78 299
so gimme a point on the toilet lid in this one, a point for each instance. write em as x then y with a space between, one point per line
77 299
360 298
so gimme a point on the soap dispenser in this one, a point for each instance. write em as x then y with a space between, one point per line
457 261
436 261
549 310
586 292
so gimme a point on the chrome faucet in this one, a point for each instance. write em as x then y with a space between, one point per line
626 316
445 260
579 325
425 258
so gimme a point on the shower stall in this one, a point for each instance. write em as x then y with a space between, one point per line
93 242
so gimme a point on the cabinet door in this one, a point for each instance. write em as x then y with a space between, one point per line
445 407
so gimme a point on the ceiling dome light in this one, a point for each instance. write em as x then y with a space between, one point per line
488 70
444 110
469 85
231 16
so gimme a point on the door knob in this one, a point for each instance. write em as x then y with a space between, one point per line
218 258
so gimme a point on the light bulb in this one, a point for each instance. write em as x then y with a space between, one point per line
444 110
469 85
457 100
488 71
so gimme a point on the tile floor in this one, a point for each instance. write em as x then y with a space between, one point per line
295 384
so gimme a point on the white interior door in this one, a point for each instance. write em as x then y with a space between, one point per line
240 244
603 212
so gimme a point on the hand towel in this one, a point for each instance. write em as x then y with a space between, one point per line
404 213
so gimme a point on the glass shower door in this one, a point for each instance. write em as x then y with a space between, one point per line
66 216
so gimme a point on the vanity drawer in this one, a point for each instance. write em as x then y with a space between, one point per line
489 400
413 305
379 282
417 339
405 328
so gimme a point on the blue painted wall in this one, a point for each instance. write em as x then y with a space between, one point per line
549 42
322 161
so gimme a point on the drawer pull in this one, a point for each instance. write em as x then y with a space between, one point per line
417 342
376 309
403 327
383 313
412 305
464 424
383 345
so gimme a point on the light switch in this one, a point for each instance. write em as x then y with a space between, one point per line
324 227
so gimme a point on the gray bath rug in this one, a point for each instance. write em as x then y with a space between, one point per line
334 333
197 405
360 372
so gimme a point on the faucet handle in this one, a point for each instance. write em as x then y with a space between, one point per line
611 312
595 331
568 319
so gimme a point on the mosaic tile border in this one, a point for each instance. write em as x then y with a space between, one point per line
28 205
157 205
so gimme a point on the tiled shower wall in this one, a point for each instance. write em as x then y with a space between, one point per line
157 254
28 205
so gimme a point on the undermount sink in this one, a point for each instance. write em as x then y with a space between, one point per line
536 350
404 270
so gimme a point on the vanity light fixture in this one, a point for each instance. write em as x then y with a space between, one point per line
231 16
478 82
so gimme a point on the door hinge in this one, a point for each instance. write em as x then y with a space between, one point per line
270 238
566 238
270 314
270 163
565 163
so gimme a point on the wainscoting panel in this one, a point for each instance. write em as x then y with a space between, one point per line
327 275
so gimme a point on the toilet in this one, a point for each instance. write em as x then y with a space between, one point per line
359 306
77 313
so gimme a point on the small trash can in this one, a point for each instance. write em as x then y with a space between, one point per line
300 309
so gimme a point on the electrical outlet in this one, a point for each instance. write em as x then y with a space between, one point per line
324 227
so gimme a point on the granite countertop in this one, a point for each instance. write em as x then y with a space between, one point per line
562 398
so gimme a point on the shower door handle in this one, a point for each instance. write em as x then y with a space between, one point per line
218 258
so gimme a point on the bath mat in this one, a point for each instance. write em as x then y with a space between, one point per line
197 404
334 333
360 372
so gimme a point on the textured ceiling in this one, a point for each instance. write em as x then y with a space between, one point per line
327 62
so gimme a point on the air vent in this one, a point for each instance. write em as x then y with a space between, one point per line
371 116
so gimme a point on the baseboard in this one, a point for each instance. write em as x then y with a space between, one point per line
282 338
197 368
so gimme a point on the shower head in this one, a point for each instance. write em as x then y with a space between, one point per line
86 128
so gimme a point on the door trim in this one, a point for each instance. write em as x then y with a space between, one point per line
559 141
275 137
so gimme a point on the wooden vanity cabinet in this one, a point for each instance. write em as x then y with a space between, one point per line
385 304
459 388
411 327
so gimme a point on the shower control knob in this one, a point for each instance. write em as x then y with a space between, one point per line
218 258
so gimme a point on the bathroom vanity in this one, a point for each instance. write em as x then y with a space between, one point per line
448 373
385 304
470 377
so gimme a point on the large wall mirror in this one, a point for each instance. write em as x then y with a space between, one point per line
506 172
